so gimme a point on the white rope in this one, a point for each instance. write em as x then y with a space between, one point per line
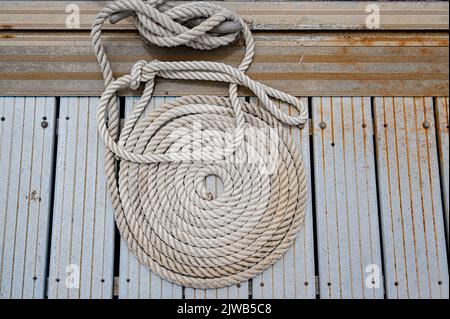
162 208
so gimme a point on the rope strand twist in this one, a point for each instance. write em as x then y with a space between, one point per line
156 167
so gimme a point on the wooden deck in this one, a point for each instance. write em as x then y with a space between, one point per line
376 149
378 202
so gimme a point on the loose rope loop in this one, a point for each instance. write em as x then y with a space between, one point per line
162 208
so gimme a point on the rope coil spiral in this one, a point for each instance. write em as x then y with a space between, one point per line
157 165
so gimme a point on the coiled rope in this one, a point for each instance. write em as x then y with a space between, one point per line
163 210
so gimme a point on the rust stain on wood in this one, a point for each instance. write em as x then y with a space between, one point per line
263 59
269 76
333 62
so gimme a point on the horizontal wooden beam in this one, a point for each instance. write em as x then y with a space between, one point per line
301 63
52 15
39 55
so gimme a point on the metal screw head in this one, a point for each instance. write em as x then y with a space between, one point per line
364 125
426 124
44 124
322 125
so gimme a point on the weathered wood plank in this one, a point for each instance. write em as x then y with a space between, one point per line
26 156
293 277
442 124
346 199
415 257
239 291
303 64
136 280
293 15
82 245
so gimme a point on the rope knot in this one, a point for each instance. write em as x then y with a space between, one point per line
199 25
136 73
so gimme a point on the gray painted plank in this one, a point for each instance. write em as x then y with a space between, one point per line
26 163
443 141
410 200
136 280
293 275
82 245
345 196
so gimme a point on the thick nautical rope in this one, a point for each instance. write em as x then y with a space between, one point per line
156 167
